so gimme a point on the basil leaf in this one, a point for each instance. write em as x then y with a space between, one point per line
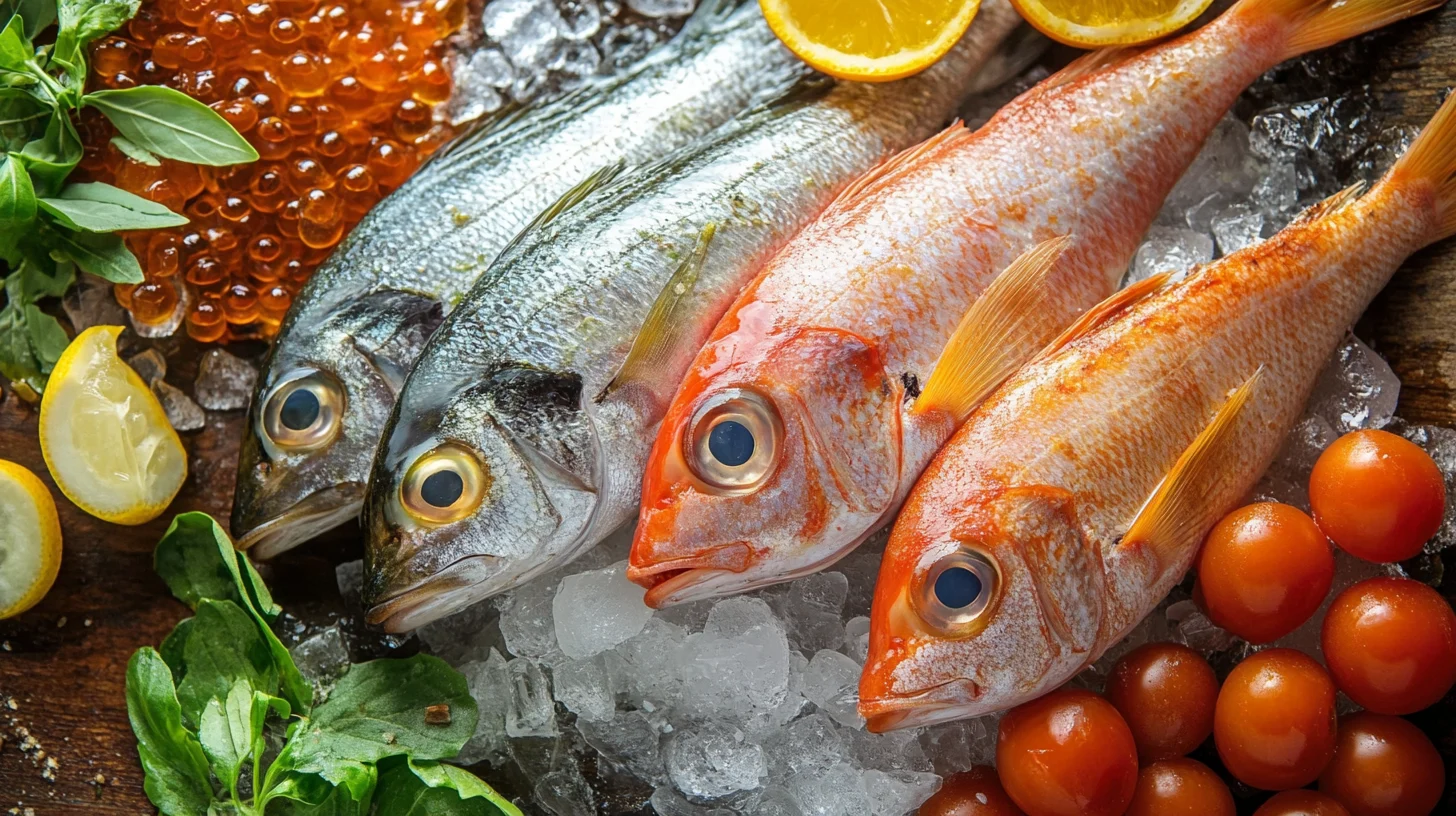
378 710
407 787
15 49
17 362
98 207
226 732
38 14
22 117
30 283
17 196
103 255
176 769
47 339
134 152
223 648
174 646
54 155
87 20
172 125
312 795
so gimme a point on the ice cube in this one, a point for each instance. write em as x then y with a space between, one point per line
597 610
832 683
1277 192
628 44
857 638
1193 629
661 8
182 412
527 30
224 382
774 800
490 682
668 802
631 740
1222 166
814 611
1286 131
464 636
1382 152
538 756
895 793
949 746
1199 216
899 750
350 579
575 60
526 619
690 616
581 19
90 302
650 662
809 746
738 665
168 325
322 659
1356 389
564 792
530 712
584 687
1170 249
150 365
1287 479
838 791
1440 443
712 761
1237 227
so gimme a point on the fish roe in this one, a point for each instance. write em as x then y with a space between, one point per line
338 98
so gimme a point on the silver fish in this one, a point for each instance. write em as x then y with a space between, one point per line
520 437
356 328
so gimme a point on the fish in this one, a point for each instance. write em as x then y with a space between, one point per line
536 402
354 331
814 386
1078 495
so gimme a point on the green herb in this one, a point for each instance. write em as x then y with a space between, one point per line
48 228
204 706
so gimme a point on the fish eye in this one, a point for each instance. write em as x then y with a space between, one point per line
447 484
733 440
303 412
958 593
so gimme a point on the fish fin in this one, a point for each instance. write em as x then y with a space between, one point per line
1329 206
885 172
1098 315
1092 62
577 194
1177 508
1432 158
663 329
1316 24
986 347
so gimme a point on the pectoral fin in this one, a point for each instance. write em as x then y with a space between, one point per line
1098 315
990 342
1172 517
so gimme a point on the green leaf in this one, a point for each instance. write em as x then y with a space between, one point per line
17 196
52 156
173 125
378 710
15 48
87 20
98 207
173 647
226 732
312 795
47 339
409 788
22 118
38 14
134 152
102 254
17 362
223 648
176 769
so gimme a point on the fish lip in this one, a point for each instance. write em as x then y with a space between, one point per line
665 578
416 605
951 700
317 513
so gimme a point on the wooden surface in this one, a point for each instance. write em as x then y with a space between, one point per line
63 663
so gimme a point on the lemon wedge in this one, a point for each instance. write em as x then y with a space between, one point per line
873 40
1098 23
105 437
30 540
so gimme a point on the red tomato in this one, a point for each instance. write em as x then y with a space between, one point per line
1391 644
1166 693
1180 787
1377 495
1384 766
1301 803
1274 724
1067 754
1264 570
976 792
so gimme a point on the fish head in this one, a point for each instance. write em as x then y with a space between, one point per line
768 468
315 419
980 607
475 492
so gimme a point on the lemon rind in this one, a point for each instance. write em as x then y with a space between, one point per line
50 536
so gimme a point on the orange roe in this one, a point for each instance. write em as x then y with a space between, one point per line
337 97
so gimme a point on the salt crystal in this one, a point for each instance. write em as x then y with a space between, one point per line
1170 249
585 688
896 793
814 611
150 365
526 619
597 610
489 681
661 8
832 683
1237 227
182 412
629 739
530 712
711 762
224 382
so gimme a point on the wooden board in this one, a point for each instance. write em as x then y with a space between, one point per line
64 662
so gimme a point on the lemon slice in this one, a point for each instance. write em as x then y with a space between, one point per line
30 540
105 437
874 40
1097 23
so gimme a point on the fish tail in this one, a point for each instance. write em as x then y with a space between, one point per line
1317 24
1432 159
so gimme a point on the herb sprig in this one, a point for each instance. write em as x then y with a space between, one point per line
204 705
50 228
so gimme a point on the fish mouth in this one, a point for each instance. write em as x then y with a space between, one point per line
445 593
951 700
680 580
318 513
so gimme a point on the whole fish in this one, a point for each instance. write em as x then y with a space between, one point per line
355 329
1078 495
808 415
520 436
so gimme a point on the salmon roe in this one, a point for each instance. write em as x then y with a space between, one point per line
338 98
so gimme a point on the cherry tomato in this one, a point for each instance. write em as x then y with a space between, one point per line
976 792
1180 787
1274 724
1377 495
1301 803
1067 754
1166 693
1391 644
1384 766
1264 570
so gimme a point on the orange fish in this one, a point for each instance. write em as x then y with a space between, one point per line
802 425
1077 495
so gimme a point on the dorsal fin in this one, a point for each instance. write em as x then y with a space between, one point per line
577 194
1320 209
988 344
664 327
1105 311
1092 62
888 170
